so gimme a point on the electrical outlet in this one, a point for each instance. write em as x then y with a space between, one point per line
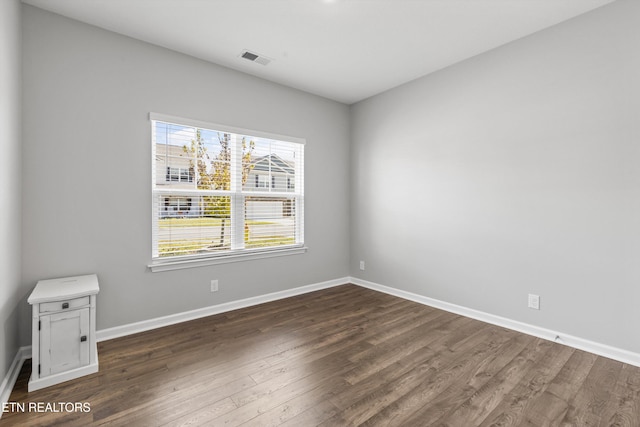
534 301
214 286
362 265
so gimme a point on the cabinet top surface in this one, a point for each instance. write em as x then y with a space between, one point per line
64 288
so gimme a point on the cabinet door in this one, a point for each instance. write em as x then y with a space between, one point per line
64 341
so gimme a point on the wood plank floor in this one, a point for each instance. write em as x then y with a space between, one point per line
339 357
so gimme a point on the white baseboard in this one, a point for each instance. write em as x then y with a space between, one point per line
9 380
610 352
40 383
604 350
119 331
146 325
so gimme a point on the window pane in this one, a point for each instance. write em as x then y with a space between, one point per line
188 157
270 165
174 163
193 225
248 149
213 155
201 177
269 221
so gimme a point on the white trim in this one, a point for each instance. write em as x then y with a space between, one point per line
10 378
119 331
604 350
202 261
172 319
39 383
235 193
185 192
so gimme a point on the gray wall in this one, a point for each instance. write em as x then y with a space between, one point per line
87 183
10 165
514 172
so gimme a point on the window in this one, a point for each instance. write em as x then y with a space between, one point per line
262 181
220 191
179 174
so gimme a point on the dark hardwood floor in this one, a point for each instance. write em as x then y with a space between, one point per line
338 357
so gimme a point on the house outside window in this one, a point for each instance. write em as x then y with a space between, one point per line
179 174
177 207
261 180
220 191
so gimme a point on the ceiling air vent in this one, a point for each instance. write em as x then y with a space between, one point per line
254 57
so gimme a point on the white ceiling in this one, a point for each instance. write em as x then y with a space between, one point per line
345 50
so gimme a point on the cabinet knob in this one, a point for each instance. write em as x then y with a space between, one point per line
65 305
83 338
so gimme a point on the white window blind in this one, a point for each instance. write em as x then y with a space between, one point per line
221 191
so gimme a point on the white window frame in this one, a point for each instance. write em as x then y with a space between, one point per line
237 251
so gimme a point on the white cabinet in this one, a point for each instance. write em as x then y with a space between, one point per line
64 330
65 334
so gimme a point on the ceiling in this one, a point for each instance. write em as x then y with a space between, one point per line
345 50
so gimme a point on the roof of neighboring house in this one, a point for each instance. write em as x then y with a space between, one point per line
277 164
178 157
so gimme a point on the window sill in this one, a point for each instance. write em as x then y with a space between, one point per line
160 265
